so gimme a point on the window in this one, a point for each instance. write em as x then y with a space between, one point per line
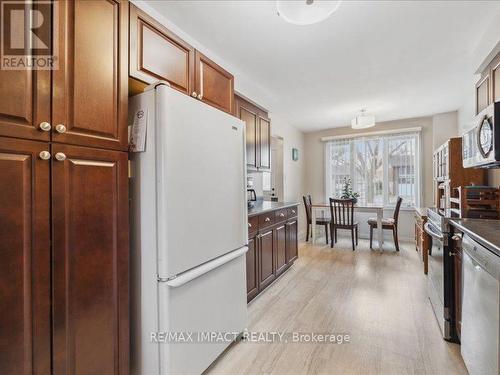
380 167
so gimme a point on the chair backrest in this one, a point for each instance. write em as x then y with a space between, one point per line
307 206
342 211
396 210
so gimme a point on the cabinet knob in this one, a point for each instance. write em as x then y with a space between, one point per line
200 96
456 237
267 219
44 155
60 156
293 211
282 214
452 254
194 94
249 225
60 128
45 126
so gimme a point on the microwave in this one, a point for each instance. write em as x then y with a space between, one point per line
481 144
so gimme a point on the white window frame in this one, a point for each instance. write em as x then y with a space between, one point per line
419 178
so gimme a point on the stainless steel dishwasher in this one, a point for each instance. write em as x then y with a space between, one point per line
480 309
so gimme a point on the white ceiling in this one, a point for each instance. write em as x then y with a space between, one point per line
398 59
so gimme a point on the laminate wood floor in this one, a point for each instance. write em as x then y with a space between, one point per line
378 298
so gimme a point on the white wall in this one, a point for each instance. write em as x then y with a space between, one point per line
435 129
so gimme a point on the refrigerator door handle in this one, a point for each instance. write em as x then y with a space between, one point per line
187 276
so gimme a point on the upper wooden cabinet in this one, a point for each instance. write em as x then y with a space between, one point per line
25 339
25 97
90 261
90 88
495 78
157 54
264 143
483 93
213 84
258 134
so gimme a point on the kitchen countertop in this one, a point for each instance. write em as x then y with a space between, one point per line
265 206
486 232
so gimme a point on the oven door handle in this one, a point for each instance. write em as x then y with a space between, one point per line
432 233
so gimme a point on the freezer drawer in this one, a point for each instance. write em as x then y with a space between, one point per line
212 302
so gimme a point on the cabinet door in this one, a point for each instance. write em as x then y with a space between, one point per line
25 258
280 249
266 258
292 245
252 269
495 78
214 85
264 143
90 88
25 103
249 116
482 94
90 261
157 54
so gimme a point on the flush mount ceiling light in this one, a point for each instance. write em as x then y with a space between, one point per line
363 120
306 12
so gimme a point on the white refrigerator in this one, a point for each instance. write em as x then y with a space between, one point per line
189 233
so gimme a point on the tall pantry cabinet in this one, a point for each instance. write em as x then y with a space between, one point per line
64 202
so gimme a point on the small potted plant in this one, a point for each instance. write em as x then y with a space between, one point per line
347 192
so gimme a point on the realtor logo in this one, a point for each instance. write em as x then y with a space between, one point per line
26 41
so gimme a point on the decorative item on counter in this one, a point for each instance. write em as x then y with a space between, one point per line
347 192
295 154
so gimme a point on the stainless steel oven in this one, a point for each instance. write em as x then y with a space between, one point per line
440 274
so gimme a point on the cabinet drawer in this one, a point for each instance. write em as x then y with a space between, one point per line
280 215
266 220
292 212
253 225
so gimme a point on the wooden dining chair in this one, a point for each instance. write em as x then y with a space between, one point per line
342 213
319 220
387 224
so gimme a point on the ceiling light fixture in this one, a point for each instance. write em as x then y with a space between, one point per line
306 12
363 120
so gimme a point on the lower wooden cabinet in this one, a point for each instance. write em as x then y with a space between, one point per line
64 309
422 239
267 252
90 260
292 246
280 248
25 258
272 248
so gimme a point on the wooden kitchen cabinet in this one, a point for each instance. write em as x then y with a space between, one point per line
158 54
272 248
90 88
422 239
280 233
213 84
25 104
483 93
264 143
90 260
25 332
258 134
495 78
292 246
252 269
267 250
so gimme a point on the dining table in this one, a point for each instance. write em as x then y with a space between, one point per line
378 210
